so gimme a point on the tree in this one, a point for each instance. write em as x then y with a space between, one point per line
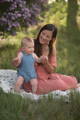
72 26
15 13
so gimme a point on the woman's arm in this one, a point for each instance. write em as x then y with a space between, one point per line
50 64
49 68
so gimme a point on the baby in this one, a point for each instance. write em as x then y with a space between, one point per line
26 69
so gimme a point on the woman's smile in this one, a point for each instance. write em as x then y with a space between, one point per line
45 37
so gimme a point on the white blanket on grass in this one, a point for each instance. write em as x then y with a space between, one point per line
8 79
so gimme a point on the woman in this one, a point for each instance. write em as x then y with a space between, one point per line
48 80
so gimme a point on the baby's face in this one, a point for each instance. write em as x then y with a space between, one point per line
29 49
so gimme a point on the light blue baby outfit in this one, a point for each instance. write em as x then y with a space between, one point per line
27 69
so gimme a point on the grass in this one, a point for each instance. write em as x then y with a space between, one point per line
68 54
14 107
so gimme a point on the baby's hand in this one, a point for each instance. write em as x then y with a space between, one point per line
16 61
44 59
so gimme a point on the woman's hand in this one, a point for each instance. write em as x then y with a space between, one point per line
44 59
16 61
48 67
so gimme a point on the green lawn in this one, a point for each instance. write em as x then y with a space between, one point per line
13 107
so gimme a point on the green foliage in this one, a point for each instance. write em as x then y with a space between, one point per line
56 14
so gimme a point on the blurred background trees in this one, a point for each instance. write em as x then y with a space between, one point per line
16 13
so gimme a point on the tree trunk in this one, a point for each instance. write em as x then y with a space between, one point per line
72 27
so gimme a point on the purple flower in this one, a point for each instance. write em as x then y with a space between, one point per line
20 13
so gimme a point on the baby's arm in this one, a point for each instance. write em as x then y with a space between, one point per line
37 59
41 59
17 60
20 55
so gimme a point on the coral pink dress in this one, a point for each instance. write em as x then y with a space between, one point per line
50 82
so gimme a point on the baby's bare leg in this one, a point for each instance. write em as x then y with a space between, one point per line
34 85
19 83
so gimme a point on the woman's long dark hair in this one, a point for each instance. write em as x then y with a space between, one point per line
38 45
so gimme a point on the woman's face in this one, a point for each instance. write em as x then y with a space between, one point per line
45 37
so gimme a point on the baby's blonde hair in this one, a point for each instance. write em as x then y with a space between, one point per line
25 41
